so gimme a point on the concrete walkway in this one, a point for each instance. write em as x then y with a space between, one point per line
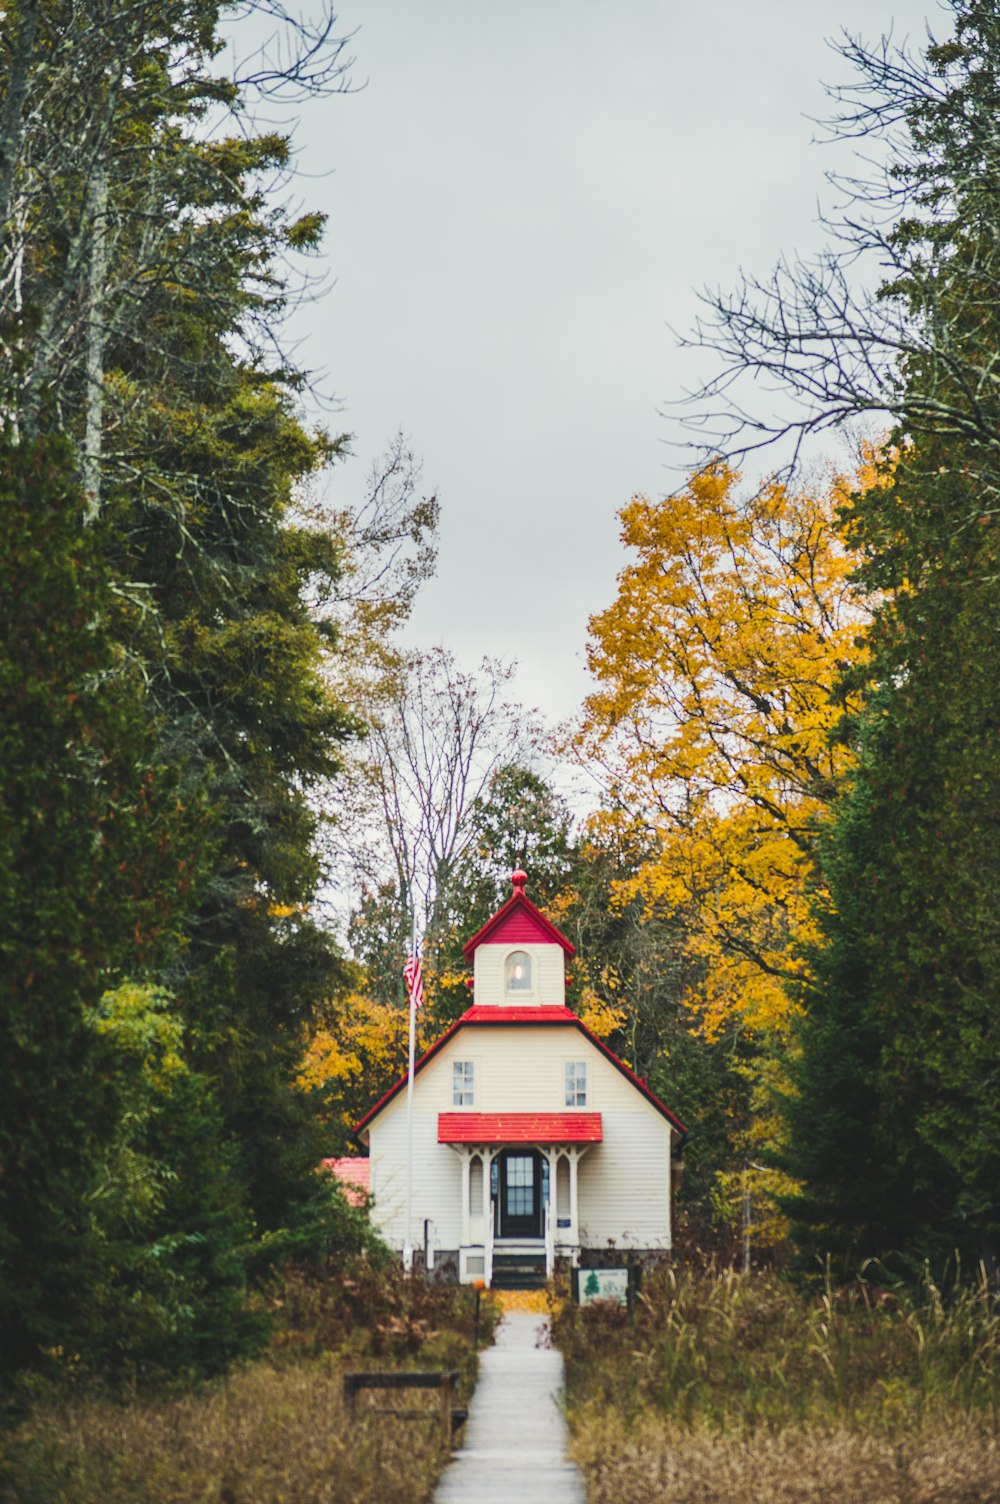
514 1449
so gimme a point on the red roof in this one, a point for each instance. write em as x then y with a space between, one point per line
519 1128
486 1015
354 1174
518 921
524 1013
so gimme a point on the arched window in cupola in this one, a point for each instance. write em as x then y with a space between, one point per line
517 972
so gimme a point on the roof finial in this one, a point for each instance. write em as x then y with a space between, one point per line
518 878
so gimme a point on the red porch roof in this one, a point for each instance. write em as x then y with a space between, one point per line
519 1128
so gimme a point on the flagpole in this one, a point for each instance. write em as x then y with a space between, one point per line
408 1230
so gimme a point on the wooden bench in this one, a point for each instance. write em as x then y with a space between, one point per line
445 1383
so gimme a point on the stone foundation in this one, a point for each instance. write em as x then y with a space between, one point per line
445 1270
621 1258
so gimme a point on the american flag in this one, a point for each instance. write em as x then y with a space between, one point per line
414 980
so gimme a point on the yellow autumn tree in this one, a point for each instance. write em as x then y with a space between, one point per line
355 1054
719 672
717 668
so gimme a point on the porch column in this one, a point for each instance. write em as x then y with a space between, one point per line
466 1174
488 1156
574 1197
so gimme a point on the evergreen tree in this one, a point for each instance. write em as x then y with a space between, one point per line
161 636
902 1024
94 869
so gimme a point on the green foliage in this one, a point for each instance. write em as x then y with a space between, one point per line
171 730
895 1130
94 867
852 1199
897 1125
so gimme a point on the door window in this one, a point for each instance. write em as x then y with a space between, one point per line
520 1185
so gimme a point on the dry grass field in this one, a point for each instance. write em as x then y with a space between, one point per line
662 1463
730 1390
263 1436
276 1432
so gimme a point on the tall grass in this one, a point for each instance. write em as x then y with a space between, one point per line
657 1462
730 1389
741 1352
263 1435
277 1430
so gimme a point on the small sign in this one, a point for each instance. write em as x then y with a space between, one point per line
601 1284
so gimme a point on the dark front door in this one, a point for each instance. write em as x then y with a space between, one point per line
520 1192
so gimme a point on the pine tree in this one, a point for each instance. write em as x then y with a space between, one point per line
93 874
169 805
902 1022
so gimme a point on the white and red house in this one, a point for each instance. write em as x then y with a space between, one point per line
533 1145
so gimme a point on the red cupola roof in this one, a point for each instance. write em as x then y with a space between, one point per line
518 923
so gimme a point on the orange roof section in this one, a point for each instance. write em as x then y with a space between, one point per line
354 1174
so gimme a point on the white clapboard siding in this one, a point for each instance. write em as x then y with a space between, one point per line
437 1175
624 1190
549 975
624 1182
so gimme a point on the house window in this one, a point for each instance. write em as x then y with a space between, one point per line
463 1090
517 972
576 1083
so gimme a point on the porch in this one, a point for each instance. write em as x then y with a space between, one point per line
519 1191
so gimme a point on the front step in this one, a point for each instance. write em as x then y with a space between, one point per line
519 1261
519 1271
518 1279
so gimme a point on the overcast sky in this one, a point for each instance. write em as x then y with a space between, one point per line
524 200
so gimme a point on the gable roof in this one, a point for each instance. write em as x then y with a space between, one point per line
517 920
541 1015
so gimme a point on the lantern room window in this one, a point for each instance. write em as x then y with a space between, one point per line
517 972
